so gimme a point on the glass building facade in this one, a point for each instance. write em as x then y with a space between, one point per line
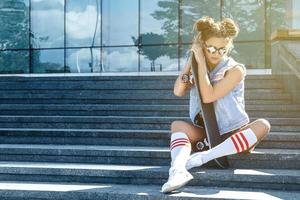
90 36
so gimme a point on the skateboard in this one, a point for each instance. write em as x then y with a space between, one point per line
209 118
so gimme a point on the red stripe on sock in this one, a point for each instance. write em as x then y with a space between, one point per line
240 142
180 144
180 141
245 139
235 144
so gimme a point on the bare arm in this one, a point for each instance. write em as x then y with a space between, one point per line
212 93
181 88
209 92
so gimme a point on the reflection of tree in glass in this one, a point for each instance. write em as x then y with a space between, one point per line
249 14
278 11
191 10
169 15
152 53
13 35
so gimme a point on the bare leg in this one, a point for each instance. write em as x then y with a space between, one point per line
261 127
193 132
184 136
243 140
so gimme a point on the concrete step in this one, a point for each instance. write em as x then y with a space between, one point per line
21 190
126 94
172 101
280 179
117 137
119 122
113 76
117 85
292 110
135 155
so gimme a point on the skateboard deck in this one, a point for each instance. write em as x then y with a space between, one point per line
209 118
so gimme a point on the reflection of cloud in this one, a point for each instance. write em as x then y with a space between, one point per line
80 25
79 60
53 28
120 22
121 61
149 24
167 63
296 12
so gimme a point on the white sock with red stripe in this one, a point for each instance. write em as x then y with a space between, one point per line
180 149
239 142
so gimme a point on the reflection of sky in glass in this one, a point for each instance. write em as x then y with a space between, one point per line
195 9
81 22
122 59
120 24
296 14
163 61
48 60
184 55
120 21
79 59
47 18
249 15
150 24
26 2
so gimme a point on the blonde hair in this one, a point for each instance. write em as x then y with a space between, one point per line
207 28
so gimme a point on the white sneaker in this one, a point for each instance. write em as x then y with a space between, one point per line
195 160
177 179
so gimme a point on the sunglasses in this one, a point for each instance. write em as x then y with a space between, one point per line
212 49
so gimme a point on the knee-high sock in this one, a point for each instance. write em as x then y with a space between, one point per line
180 149
238 142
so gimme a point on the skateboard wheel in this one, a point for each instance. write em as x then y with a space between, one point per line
200 145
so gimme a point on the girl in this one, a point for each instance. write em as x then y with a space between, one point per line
221 82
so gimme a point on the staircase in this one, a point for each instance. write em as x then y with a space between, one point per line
107 137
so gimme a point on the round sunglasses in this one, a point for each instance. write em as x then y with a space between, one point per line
212 49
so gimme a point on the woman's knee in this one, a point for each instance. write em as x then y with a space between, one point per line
265 124
178 126
261 127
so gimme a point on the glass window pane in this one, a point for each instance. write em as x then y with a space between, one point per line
195 9
184 55
81 60
120 59
14 23
279 14
120 21
159 58
47 21
48 61
83 23
159 21
249 15
16 62
296 14
251 54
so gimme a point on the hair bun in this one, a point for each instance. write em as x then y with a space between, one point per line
204 23
229 28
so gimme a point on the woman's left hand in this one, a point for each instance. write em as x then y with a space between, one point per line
199 55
